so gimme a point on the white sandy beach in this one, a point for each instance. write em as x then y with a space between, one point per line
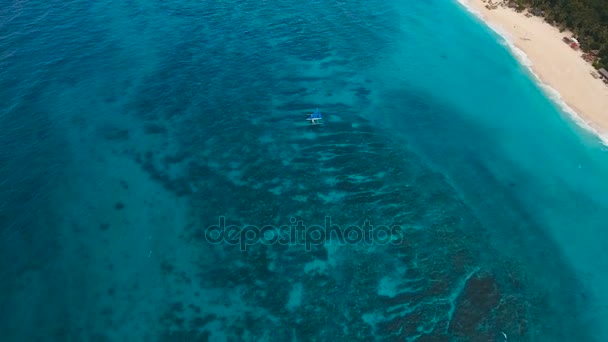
561 68
553 61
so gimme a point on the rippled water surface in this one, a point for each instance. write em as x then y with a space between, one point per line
128 128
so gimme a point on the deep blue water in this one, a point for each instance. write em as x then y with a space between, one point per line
128 128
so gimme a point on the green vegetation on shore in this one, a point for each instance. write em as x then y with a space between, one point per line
587 19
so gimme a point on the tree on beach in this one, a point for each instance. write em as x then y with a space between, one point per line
587 19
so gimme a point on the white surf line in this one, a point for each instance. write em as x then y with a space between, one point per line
523 59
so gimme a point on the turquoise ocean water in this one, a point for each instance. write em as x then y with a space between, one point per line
129 127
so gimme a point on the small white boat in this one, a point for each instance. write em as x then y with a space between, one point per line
315 117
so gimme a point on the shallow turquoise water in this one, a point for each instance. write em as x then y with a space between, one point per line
128 128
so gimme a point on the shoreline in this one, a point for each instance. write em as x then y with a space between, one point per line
558 69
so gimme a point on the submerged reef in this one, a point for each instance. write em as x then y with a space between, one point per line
443 282
236 144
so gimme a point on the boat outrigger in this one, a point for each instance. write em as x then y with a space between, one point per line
314 117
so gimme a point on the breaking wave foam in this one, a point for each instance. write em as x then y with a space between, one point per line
523 59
